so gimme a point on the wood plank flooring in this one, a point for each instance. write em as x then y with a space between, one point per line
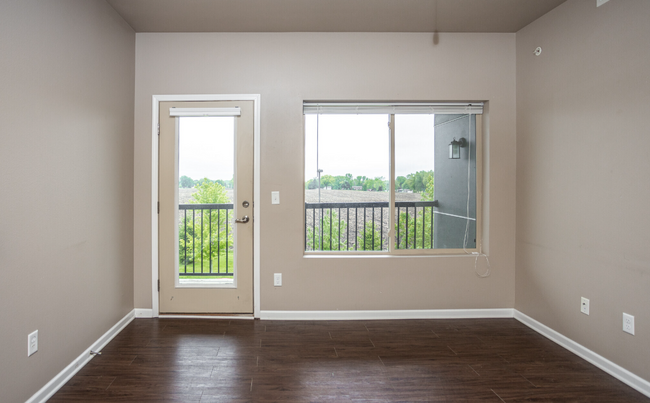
208 360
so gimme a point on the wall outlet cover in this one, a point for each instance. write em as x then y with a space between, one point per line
628 323
584 305
277 279
32 343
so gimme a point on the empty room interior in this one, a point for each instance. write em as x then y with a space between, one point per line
549 96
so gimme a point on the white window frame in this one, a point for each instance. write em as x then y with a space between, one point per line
392 109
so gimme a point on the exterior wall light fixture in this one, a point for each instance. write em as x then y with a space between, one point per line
454 147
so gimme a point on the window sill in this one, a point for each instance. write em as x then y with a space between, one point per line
380 255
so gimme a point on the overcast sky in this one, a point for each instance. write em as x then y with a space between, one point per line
206 147
355 144
359 144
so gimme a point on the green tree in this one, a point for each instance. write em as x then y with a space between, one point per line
374 184
415 237
328 227
399 182
427 195
202 233
420 225
225 183
327 235
341 182
326 180
312 184
377 184
416 181
186 182
371 239
202 181
359 180
209 192
338 182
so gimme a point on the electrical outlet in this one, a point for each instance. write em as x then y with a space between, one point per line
628 323
277 279
584 305
32 343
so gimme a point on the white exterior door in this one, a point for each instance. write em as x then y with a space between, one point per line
206 207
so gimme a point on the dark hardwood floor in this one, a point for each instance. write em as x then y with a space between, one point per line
208 360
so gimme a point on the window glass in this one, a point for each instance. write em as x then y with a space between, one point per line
347 163
348 177
455 182
414 181
206 172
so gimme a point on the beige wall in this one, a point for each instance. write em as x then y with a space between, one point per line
582 175
66 163
289 68
69 168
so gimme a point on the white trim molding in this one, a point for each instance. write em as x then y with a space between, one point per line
203 112
68 372
356 108
388 314
226 317
155 105
143 313
583 352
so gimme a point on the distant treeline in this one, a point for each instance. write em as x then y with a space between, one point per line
417 182
187 182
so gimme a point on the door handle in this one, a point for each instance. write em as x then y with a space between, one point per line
242 220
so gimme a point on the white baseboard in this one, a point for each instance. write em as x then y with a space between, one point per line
68 372
388 314
599 361
228 317
143 313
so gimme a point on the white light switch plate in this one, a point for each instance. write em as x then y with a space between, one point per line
277 279
275 197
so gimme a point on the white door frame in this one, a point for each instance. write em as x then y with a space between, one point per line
156 99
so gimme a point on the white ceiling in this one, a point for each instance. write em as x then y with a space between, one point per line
331 15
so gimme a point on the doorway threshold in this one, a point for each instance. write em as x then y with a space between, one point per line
239 316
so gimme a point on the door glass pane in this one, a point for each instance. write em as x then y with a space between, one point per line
346 186
205 197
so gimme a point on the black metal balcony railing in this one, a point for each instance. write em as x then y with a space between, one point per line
206 245
205 240
364 226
